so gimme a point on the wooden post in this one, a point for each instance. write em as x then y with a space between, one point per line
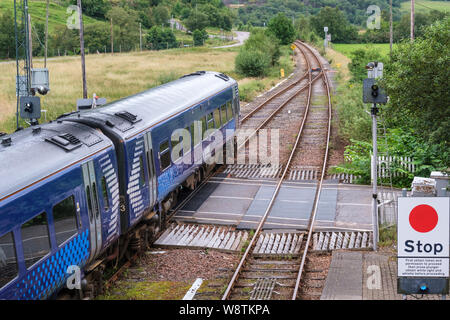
83 63
30 42
412 20
140 36
112 38
46 35
391 31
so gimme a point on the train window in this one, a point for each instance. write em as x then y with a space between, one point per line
203 127
89 203
8 259
142 171
210 120
35 239
229 111
217 118
64 219
95 200
223 112
164 155
105 194
164 146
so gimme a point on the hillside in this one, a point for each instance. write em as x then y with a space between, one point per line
425 6
37 8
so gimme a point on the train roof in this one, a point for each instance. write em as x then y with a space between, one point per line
32 154
131 115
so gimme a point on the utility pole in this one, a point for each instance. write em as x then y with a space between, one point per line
30 42
112 38
140 36
391 30
83 63
412 20
46 35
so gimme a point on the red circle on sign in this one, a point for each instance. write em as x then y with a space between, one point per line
423 218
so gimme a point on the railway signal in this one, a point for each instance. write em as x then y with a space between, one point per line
28 80
373 93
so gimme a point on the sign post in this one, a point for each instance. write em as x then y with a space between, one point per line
423 245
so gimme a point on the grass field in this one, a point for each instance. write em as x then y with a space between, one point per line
37 9
425 6
347 49
121 75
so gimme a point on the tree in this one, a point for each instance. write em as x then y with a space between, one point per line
199 36
360 58
161 38
7 40
126 27
97 36
196 20
94 8
282 28
338 26
416 80
160 15
65 40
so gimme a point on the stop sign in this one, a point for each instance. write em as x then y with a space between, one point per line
423 237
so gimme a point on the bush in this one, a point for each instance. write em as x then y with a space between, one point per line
260 52
160 38
199 36
252 63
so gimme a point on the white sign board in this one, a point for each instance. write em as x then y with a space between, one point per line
423 237
325 29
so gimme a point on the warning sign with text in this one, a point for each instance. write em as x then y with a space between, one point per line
423 237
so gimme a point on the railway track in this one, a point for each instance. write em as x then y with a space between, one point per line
282 263
273 263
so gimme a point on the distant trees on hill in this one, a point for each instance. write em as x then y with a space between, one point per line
126 16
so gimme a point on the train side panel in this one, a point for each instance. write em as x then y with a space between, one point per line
46 229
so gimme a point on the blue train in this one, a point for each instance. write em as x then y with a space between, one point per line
85 190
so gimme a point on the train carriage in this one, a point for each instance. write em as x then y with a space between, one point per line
93 185
142 127
57 206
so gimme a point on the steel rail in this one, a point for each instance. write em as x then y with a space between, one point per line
252 242
324 166
276 94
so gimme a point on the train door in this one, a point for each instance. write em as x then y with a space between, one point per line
151 168
95 224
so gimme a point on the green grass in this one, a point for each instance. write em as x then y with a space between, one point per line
37 9
424 6
347 49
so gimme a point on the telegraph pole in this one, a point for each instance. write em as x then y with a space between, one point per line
30 42
140 36
112 38
412 20
83 63
46 35
391 31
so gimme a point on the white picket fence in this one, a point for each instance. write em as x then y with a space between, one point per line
386 162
